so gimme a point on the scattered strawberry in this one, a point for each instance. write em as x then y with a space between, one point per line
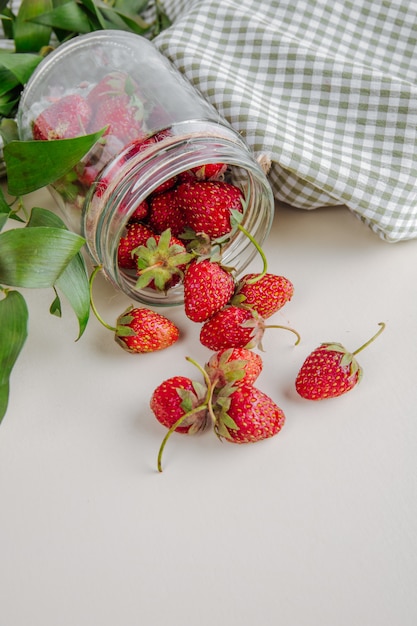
208 205
176 397
165 213
247 415
207 288
265 295
236 327
136 235
64 119
230 327
144 330
235 366
330 371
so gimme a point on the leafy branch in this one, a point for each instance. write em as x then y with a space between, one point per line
36 248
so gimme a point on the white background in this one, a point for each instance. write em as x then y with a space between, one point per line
314 527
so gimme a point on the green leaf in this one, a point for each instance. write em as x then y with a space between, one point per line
121 20
55 308
57 157
73 282
36 257
30 37
21 65
8 130
69 17
13 324
100 23
4 210
131 6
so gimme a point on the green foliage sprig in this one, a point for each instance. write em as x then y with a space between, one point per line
40 252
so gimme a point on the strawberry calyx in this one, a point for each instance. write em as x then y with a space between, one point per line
205 393
222 369
347 361
161 262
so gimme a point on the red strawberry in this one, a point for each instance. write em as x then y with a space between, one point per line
207 288
165 213
64 119
330 371
266 295
236 327
230 327
143 330
235 366
141 212
208 205
117 104
247 415
136 235
175 397
210 171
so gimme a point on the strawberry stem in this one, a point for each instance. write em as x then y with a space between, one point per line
259 249
365 345
210 387
205 406
96 270
286 328
179 421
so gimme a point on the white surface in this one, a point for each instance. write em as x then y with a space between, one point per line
315 527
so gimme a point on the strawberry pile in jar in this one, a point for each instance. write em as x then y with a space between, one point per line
168 181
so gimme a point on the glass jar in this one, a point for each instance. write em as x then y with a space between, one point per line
160 133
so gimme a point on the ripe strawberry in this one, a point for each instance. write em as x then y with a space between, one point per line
165 213
208 205
266 295
64 119
117 103
174 398
207 288
136 235
140 213
144 330
330 371
235 366
210 171
230 327
236 327
247 415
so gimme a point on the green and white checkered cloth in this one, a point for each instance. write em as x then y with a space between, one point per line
326 89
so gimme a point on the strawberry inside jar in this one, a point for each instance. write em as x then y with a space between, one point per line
166 163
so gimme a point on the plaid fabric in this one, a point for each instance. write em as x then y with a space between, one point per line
327 90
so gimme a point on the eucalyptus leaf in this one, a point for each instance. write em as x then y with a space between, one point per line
28 36
13 324
32 165
36 257
74 281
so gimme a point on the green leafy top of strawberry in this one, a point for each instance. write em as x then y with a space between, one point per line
162 258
